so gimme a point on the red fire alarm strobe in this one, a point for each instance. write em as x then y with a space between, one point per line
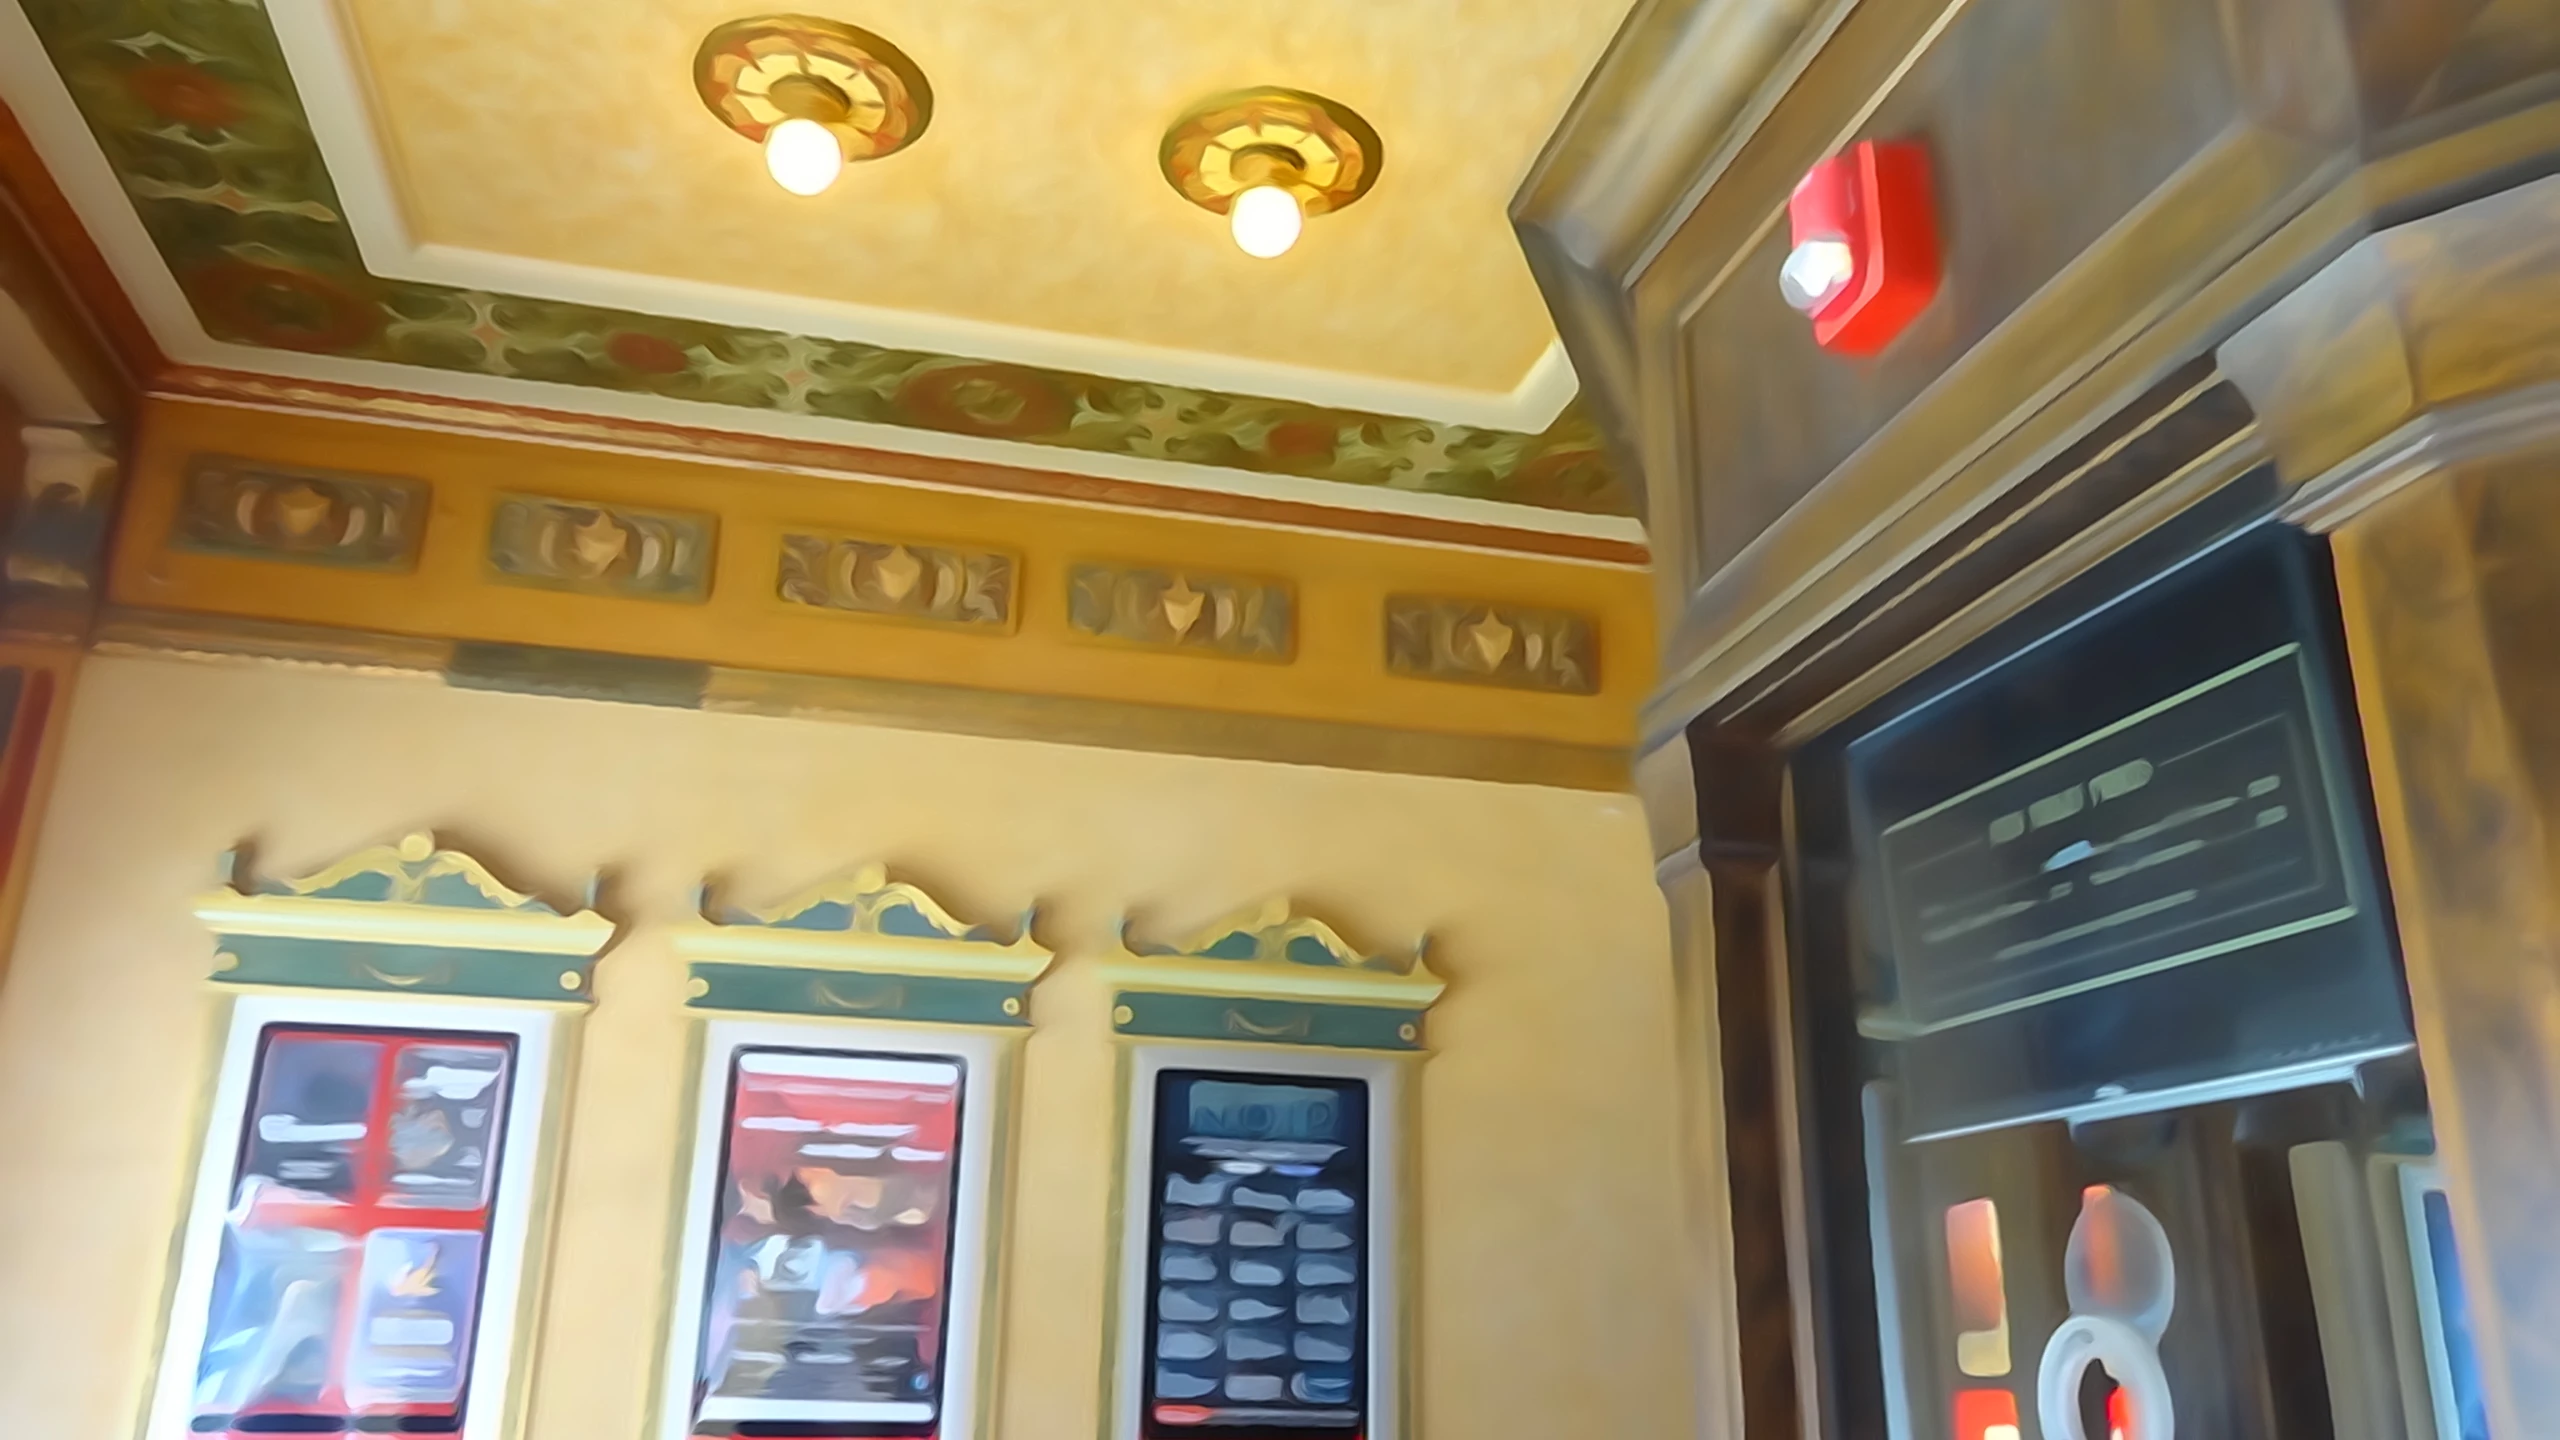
1865 231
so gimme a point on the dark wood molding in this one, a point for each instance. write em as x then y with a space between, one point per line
2440 309
2449 587
1678 85
1741 792
2170 448
2090 260
1757 1154
54 270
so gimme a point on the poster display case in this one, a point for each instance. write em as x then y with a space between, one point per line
1259 1264
836 1266
2097 970
1257 1253
360 1251
353 1253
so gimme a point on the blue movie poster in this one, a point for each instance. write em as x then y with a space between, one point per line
412 1340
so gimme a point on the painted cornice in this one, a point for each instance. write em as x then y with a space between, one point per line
197 114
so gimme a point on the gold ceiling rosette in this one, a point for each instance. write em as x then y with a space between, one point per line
756 73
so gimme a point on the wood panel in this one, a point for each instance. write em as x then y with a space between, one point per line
2449 592
2033 161
2120 188
1738 799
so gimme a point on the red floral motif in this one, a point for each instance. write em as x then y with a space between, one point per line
186 94
1569 478
994 400
1297 440
288 309
647 354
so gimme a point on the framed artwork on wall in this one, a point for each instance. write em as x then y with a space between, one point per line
1259 1265
835 1270
359 1252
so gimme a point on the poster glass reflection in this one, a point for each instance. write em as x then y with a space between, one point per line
826 1295
347 1290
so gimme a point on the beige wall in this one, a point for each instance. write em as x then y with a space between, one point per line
1548 1302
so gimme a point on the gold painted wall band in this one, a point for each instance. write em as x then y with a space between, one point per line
504 550
948 709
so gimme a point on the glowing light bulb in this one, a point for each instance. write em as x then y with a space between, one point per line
1265 221
802 155
1814 272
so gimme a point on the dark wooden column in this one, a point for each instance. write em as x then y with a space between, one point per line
2411 390
1740 824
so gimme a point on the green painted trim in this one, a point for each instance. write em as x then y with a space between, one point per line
831 994
576 674
1234 1018
371 969
195 111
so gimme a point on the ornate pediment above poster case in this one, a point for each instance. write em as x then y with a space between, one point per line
406 917
1271 975
861 946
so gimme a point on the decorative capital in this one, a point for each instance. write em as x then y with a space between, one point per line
862 946
2437 315
406 916
52 558
1269 974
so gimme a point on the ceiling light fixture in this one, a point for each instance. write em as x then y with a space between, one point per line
1267 160
815 93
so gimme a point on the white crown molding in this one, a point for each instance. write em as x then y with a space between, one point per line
327 69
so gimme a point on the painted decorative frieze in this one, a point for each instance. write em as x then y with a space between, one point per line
862 946
319 517
1177 610
619 550
1274 976
886 577
1472 642
197 113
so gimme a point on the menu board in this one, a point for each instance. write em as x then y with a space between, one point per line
1257 1270
830 1269
2114 855
347 1289
2197 825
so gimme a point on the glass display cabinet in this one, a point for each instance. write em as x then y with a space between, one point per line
2113 1124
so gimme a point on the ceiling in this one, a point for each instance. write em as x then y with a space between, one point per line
521 202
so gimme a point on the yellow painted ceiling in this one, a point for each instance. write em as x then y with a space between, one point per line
568 131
